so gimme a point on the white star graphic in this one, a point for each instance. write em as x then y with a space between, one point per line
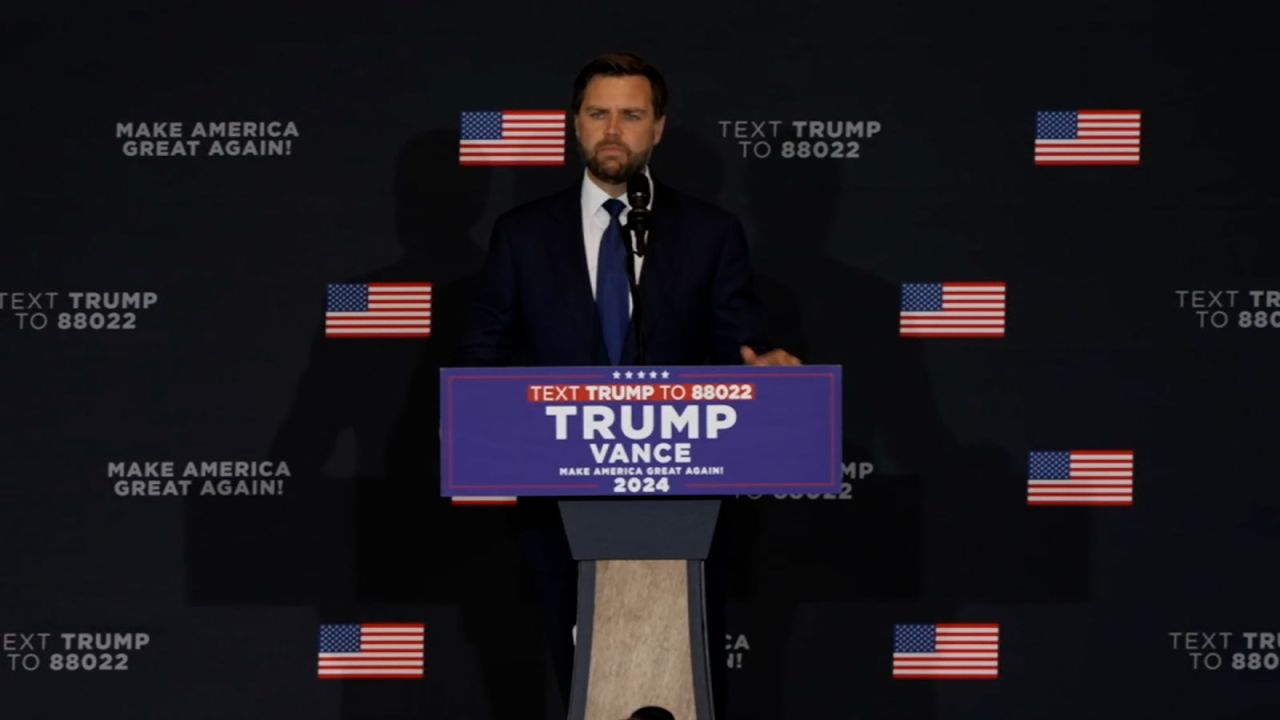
665 374
653 374
628 374
616 374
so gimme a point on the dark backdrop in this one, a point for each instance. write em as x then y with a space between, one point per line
230 362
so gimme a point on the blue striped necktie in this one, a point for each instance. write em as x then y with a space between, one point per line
612 289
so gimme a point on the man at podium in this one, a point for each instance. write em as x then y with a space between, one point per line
557 290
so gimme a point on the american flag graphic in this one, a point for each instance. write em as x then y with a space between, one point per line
1088 137
371 651
946 652
378 310
512 137
1080 477
482 500
952 309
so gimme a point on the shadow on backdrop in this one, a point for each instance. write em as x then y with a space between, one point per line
365 535
946 528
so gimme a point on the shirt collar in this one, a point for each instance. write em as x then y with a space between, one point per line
593 197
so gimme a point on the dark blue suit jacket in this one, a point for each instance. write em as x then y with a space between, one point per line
535 306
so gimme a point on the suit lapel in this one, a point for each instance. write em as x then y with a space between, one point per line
569 265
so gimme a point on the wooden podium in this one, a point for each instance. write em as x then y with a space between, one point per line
634 454
642 632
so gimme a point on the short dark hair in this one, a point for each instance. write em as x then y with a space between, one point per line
652 712
621 65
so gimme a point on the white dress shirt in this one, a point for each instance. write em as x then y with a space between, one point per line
595 220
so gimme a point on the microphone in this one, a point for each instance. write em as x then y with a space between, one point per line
638 194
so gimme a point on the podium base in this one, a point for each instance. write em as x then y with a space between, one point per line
641 640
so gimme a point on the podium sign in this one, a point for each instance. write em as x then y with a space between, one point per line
645 431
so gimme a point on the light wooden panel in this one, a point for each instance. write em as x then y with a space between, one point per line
640 652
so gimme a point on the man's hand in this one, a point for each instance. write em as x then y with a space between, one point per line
773 357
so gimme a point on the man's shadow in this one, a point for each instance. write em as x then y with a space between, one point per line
363 534
935 527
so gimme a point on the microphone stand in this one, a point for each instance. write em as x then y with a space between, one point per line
637 307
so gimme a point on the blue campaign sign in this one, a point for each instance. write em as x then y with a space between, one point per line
640 431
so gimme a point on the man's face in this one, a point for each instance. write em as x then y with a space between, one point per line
616 126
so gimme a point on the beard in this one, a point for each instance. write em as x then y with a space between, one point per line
615 171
